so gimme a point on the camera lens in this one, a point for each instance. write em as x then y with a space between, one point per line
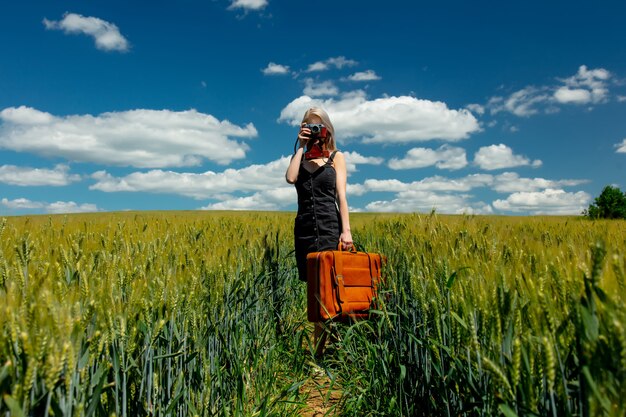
315 129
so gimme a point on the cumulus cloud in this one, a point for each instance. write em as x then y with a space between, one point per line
314 88
621 147
368 75
70 207
453 195
549 201
275 69
199 186
587 86
435 183
501 156
273 199
510 182
401 119
575 95
139 138
424 201
507 182
248 4
55 208
262 187
21 204
258 178
354 158
337 62
26 176
445 157
106 35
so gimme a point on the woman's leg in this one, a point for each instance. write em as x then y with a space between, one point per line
319 339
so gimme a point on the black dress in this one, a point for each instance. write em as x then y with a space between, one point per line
317 226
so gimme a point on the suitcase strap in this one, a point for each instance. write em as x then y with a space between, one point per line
339 283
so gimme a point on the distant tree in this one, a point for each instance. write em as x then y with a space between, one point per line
610 204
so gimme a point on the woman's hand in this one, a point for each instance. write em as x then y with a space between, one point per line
346 240
304 135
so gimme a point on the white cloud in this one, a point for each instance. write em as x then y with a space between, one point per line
446 195
337 62
524 102
436 183
476 108
510 182
621 147
275 69
265 182
425 201
106 35
372 185
199 186
445 157
507 182
273 199
212 185
318 89
501 156
401 119
26 176
549 201
56 207
26 116
341 61
139 138
21 204
439 183
368 75
569 95
70 207
248 4
354 158
317 66
587 86
621 99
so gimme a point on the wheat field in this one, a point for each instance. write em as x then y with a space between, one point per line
201 313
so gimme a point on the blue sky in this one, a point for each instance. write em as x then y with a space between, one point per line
466 107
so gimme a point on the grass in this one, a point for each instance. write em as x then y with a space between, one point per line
201 313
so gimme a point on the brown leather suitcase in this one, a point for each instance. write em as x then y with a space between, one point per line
341 284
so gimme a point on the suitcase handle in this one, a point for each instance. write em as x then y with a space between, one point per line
340 248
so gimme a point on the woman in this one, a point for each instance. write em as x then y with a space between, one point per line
319 173
320 178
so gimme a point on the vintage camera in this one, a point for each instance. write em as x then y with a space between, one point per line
317 130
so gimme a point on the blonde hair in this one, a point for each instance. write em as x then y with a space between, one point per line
321 113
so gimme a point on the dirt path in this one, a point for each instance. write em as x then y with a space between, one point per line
322 394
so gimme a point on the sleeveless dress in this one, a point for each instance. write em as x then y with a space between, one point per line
317 225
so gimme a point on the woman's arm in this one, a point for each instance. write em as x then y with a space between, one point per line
294 165
340 168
